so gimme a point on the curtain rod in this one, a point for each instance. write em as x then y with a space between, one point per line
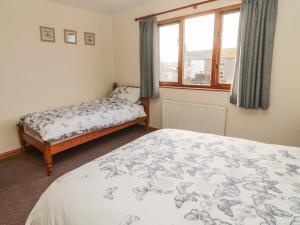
195 5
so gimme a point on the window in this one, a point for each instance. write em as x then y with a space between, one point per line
169 36
228 46
199 51
198 48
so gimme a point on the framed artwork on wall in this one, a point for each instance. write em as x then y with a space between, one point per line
70 36
47 34
89 38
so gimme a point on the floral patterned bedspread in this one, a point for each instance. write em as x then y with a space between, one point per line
61 123
174 177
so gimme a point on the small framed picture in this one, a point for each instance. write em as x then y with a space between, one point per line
70 36
47 34
89 38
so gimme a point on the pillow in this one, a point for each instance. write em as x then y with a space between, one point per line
131 94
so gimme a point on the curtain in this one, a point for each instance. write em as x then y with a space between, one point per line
149 58
252 76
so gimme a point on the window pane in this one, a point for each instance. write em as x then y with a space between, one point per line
198 50
229 46
169 47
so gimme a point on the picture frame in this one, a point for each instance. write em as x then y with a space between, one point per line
89 38
47 34
70 36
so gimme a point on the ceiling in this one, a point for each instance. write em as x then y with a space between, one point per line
104 6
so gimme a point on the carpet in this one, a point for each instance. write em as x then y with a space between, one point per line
23 178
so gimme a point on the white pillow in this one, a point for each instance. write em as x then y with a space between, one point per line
131 94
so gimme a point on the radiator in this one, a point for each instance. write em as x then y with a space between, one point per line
194 117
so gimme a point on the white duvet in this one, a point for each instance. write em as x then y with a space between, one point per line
174 177
61 123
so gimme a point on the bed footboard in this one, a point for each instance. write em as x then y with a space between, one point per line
44 147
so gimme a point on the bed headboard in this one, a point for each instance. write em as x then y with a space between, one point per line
145 101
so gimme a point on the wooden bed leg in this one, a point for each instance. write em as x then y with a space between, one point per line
48 159
21 140
147 125
146 104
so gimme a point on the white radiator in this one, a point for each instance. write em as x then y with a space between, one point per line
194 117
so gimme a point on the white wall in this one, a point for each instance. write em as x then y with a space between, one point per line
280 124
35 75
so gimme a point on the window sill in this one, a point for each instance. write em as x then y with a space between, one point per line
196 88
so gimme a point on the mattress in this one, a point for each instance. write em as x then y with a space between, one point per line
175 177
37 137
59 124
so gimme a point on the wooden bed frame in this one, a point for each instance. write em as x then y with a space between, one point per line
51 149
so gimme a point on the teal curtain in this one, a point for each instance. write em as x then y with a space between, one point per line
252 76
149 58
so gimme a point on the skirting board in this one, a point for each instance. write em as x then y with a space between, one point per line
10 154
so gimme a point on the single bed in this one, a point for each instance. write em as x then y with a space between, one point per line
57 130
175 177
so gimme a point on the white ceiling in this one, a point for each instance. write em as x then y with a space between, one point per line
104 6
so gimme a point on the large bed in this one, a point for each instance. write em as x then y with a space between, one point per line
175 177
59 129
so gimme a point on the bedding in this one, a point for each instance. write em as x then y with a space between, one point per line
131 94
174 177
37 136
65 122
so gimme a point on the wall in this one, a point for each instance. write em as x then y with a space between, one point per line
36 75
280 124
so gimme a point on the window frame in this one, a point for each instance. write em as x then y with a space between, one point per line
216 56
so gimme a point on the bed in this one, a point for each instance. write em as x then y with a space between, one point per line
175 177
56 130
